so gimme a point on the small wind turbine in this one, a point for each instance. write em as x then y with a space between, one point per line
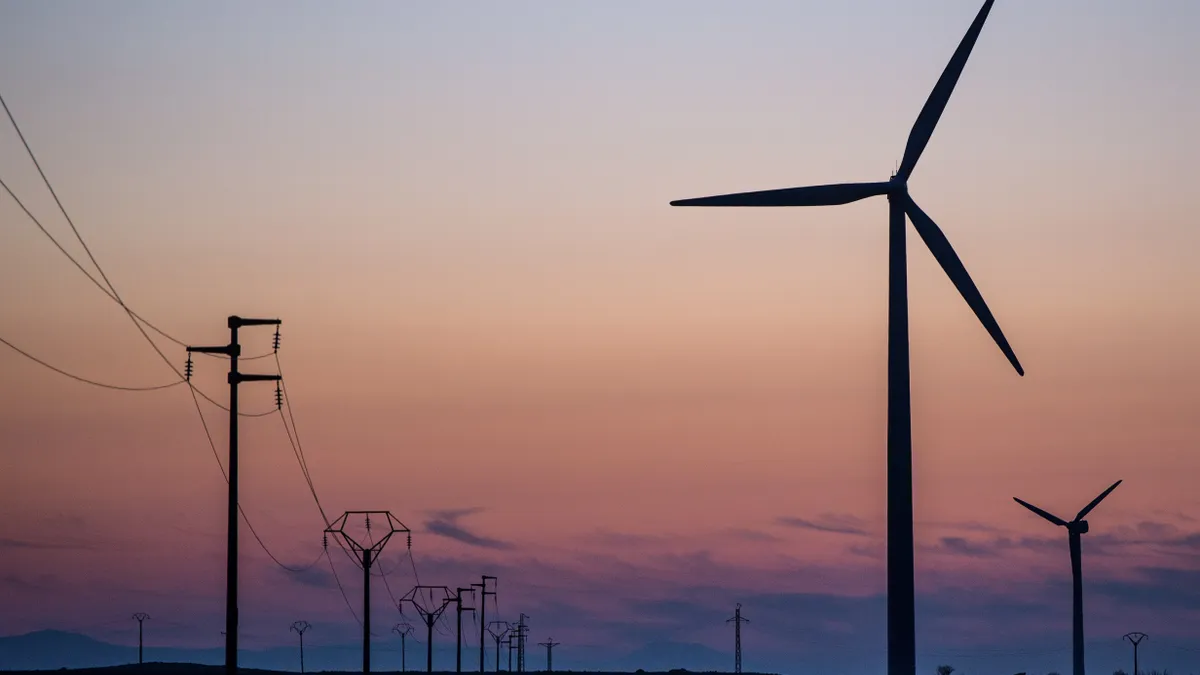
901 588
1075 529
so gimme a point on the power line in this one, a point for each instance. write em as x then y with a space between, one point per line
85 380
241 510
138 322
111 292
341 588
293 435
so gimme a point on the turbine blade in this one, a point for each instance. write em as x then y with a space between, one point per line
814 195
922 129
941 249
1045 514
1088 509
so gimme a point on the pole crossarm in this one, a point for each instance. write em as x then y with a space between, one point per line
394 526
227 350
429 611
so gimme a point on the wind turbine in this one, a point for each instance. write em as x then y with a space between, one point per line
1075 529
901 592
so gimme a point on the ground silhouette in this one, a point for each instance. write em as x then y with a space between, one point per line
198 669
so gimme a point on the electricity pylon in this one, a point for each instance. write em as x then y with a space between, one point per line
522 636
429 610
737 621
233 350
1135 638
404 629
300 627
458 610
512 644
504 625
142 616
483 593
368 555
550 645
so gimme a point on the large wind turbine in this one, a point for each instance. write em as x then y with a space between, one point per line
901 600
1075 529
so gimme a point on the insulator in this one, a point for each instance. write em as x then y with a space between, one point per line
278 396
187 368
410 540
325 541
275 341
368 522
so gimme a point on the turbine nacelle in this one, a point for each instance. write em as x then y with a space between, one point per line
1078 527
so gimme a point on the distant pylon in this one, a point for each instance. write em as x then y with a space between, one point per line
737 621
549 645
142 616
299 627
1135 638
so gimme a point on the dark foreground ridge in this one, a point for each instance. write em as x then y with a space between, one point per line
199 669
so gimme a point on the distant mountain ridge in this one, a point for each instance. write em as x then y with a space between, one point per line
53 650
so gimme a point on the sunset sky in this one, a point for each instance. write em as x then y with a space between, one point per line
496 327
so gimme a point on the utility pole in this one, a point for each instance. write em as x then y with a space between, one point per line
549 653
404 629
1135 638
430 611
300 627
233 350
737 621
484 592
368 555
140 617
498 637
459 609
522 635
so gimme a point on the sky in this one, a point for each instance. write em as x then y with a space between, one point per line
496 327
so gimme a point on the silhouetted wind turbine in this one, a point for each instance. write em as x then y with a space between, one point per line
901 592
1075 529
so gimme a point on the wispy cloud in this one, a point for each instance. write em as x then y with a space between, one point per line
315 577
838 523
444 523
1163 537
962 546
611 538
10 543
751 535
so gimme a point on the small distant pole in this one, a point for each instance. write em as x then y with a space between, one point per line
1135 638
140 617
737 622
498 636
459 609
484 592
300 627
404 629
550 645
429 612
